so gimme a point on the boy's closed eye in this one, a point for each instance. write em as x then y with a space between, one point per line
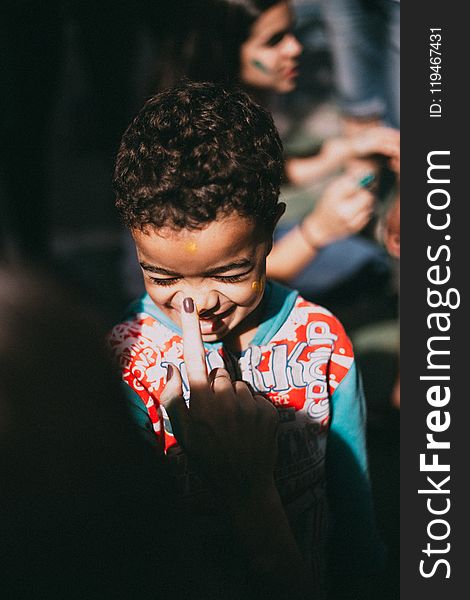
220 273
222 278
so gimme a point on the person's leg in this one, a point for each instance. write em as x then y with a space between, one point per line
392 58
354 31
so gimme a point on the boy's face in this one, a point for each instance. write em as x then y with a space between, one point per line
222 267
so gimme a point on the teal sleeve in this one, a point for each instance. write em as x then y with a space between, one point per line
355 543
349 416
139 415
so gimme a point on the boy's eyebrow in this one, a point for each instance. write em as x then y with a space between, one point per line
237 264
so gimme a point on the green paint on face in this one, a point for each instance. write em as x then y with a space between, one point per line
259 65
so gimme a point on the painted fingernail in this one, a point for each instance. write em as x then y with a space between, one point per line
169 372
188 305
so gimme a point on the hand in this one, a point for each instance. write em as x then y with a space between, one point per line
371 140
343 209
376 140
228 432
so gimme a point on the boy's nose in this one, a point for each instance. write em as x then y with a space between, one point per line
206 303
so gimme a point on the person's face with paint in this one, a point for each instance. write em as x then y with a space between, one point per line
269 56
221 266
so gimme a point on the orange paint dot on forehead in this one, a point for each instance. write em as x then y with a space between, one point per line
190 247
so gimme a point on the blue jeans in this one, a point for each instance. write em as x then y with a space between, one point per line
364 37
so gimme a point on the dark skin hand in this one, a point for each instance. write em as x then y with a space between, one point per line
230 435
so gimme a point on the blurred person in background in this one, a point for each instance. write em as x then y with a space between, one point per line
71 467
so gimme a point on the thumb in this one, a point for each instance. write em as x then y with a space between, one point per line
173 402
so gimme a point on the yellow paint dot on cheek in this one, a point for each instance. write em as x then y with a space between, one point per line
191 247
257 286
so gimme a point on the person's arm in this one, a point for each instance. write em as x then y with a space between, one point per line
336 152
263 532
344 209
229 434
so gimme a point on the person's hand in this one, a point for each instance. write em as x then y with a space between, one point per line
230 434
376 140
367 142
344 209
227 432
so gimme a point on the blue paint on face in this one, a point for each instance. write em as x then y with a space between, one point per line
367 181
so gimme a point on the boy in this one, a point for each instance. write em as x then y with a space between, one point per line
197 179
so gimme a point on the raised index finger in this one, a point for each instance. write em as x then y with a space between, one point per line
194 353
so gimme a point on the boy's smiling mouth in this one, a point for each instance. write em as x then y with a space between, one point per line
213 327
217 317
214 324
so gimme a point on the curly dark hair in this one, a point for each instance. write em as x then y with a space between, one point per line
194 153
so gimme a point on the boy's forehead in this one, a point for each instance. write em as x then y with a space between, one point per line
222 240
233 229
